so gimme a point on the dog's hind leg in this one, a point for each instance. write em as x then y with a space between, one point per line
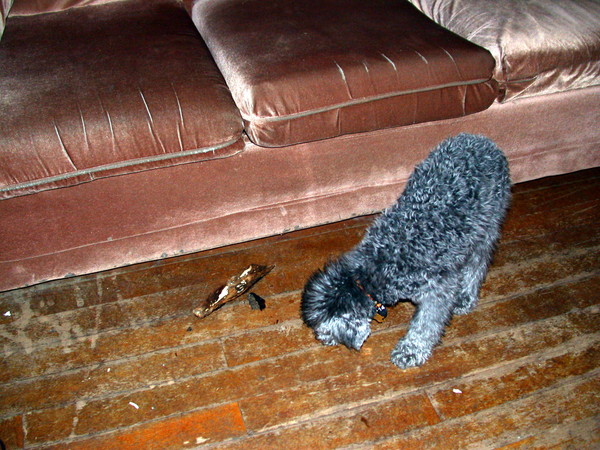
472 278
434 310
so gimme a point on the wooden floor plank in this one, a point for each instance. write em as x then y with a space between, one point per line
539 412
348 427
187 430
510 382
581 434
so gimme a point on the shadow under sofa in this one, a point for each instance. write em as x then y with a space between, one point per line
130 136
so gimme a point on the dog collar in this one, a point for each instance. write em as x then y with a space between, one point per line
380 309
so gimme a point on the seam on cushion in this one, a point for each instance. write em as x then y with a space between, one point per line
360 101
120 165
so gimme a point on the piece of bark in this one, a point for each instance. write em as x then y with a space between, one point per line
236 286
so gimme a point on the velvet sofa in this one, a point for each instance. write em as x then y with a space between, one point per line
133 130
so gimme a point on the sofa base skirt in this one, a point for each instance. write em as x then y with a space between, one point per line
139 217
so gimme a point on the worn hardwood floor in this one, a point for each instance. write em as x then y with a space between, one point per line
116 360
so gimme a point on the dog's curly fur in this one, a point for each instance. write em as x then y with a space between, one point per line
432 247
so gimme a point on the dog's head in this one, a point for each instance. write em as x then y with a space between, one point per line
335 307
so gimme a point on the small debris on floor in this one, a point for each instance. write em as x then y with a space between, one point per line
256 301
236 286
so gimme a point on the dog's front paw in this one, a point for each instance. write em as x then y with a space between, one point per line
407 355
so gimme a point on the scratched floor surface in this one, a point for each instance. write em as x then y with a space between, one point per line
117 360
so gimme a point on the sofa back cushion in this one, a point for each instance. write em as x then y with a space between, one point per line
540 46
107 90
314 69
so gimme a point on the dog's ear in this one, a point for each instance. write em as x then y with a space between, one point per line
351 332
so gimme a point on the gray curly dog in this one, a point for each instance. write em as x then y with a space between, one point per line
432 248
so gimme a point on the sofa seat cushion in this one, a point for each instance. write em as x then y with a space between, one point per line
541 46
313 69
108 90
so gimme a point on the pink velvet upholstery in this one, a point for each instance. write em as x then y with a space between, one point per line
111 89
540 46
120 142
315 69
261 192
